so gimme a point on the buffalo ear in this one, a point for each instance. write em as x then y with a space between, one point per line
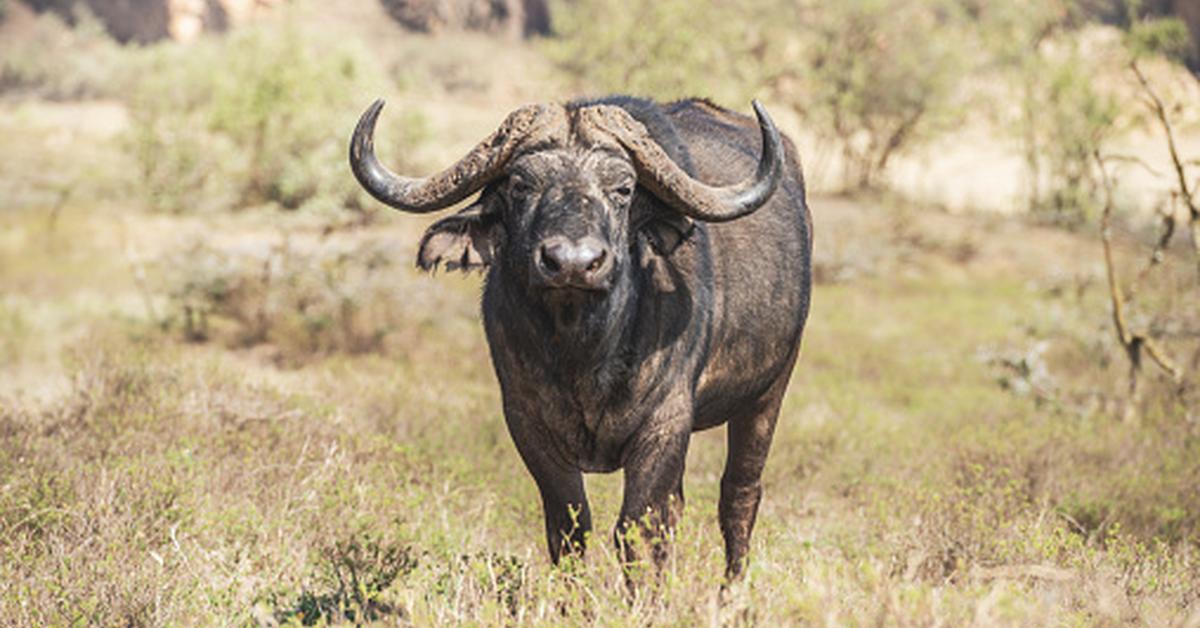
467 240
667 230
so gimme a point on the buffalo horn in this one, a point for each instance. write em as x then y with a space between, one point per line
470 174
663 177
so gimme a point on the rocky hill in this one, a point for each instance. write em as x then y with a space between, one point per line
144 21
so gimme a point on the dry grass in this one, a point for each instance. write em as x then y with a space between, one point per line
192 483
950 452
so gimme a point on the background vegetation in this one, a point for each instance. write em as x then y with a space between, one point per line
227 397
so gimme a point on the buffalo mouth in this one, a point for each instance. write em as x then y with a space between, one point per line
579 290
572 306
558 296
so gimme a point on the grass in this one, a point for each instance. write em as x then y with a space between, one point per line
332 448
171 482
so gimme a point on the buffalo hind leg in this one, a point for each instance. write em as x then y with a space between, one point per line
749 440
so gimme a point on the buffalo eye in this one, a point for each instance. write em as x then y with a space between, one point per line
622 192
519 189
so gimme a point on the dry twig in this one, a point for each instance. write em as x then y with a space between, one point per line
1135 343
1187 193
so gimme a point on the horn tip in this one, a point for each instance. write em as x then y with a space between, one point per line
760 112
372 112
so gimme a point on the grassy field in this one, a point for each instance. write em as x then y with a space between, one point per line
266 416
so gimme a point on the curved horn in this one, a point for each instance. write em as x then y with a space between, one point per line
476 169
662 176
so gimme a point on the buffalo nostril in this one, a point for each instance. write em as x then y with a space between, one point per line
599 261
548 260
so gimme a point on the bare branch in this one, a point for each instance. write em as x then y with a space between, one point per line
1116 295
1160 246
1187 192
1163 360
1133 159
1132 342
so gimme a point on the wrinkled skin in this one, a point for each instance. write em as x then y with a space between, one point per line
655 326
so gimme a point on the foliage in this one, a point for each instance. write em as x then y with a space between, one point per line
356 571
1064 113
1168 37
665 50
1071 120
51 60
270 126
302 300
877 77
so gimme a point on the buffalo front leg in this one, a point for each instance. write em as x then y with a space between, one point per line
749 440
565 508
564 500
653 500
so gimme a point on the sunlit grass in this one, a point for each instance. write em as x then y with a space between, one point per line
182 482
332 448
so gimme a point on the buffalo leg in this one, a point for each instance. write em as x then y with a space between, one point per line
653 500
568 518
749 440
564 500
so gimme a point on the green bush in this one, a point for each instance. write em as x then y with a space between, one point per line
1167 36
260 117
54 61
1065 114
878 77
666 50
1073 119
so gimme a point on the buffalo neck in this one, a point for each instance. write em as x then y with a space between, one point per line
575 340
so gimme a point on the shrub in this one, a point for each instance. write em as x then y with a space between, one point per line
1065 114
51 60
665 50
877 77
1071 119
270 126
354 573
302 299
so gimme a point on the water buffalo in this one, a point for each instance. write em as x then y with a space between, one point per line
647 276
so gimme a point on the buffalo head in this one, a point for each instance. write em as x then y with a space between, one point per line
566 190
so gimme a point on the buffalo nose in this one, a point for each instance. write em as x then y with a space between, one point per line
583 263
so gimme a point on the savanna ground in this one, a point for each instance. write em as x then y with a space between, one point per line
227 397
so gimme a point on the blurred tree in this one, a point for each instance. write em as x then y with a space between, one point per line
1164 37
1064 115
879 75
258 117
517 18
1129 13
666 50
